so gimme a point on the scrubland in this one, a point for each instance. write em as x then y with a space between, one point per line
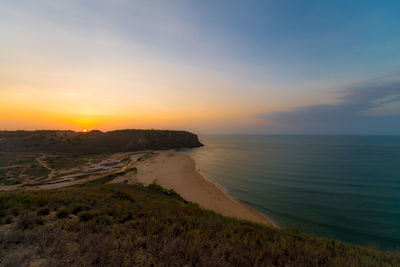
124 225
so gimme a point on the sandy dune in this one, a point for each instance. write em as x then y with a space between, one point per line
173 170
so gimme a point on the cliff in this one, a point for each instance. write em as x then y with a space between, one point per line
95 141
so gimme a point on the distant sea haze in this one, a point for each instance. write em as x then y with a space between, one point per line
342 187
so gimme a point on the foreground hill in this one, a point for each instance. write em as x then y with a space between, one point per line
125 225
95 141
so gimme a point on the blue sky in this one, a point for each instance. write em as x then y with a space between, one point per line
205 66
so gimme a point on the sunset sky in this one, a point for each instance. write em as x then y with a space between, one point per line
329 67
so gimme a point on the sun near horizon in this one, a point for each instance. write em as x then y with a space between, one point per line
198 133
264 67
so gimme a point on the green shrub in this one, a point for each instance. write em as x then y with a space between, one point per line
171 192
98 223
123 213
62 213
43 211
28 221
14 211
42 198
85 216
79 207
123 196
156 188
6 220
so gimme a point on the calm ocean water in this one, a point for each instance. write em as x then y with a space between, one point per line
343 187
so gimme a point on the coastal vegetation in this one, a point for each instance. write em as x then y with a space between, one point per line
95 142
30 168
121 224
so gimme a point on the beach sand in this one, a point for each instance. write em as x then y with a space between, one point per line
173 170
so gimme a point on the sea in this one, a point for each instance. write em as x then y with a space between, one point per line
341 187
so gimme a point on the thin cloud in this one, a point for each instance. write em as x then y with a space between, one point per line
369 108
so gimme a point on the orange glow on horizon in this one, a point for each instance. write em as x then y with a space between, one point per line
33 117
19 112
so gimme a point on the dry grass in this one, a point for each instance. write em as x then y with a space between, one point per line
123 225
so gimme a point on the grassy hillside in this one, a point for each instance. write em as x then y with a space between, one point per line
122 225
95 142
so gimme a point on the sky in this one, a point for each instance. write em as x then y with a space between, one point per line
236 67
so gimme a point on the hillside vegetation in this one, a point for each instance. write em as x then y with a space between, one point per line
95 142
125 225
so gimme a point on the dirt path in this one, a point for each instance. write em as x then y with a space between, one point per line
13 166
69 182
45 165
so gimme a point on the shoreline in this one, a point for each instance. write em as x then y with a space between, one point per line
224 191
177 171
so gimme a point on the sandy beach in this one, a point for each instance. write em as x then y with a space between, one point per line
173 170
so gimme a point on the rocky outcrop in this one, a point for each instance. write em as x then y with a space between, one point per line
96 141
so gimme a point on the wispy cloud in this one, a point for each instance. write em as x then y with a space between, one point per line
371 107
